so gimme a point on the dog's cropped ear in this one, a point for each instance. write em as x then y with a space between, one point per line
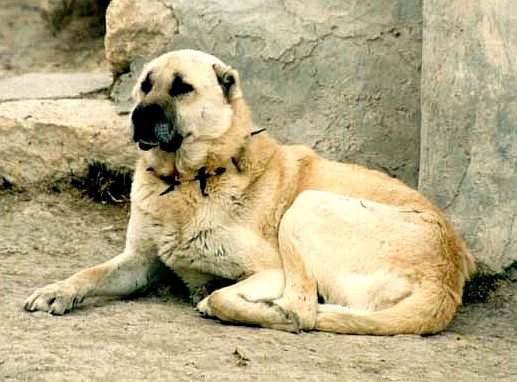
228 79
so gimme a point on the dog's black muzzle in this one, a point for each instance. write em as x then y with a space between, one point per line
153 126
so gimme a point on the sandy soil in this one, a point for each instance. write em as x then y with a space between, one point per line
46 236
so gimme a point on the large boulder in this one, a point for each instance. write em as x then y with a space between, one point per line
44 140
469 128
49 131
340 76
137 28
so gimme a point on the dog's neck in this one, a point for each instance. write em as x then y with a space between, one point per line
255 154
244 161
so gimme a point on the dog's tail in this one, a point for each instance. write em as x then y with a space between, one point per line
427 310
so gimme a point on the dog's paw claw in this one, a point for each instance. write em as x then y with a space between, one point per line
303 319
53 299
203 308
290 320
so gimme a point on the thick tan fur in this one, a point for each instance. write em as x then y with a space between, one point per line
287 225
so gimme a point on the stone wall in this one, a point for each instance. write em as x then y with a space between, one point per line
469 121
340 76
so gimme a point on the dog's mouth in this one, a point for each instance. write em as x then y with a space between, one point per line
173 145
146 146
169 147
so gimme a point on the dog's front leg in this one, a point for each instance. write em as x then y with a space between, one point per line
120 276
251 302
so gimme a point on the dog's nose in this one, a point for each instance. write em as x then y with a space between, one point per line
144 119
153 126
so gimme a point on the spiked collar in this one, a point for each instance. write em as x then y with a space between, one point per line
201 176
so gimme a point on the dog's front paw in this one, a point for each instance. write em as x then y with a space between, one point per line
54 298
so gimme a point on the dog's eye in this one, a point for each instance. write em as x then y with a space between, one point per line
180 87
146 84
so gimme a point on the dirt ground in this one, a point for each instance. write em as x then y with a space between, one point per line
47 235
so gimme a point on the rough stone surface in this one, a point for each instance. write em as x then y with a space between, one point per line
48 131
53 85
49 139
137 28
340 76
469 121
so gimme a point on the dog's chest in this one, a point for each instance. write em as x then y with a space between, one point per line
210 240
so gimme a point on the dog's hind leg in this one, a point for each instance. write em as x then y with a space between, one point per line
382 270
251 302
300 295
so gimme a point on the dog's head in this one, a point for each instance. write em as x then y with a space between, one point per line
185 109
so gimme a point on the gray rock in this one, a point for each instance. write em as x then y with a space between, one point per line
469 128
137 28
122 89
53 85
49 139
340 76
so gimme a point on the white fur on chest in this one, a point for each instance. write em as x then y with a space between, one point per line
214 234
206 243
213 240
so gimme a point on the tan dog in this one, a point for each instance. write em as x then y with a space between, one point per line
214 197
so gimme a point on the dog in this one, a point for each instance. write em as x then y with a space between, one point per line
310 244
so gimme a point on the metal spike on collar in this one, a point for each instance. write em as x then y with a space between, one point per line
201 176
258 131
173 182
